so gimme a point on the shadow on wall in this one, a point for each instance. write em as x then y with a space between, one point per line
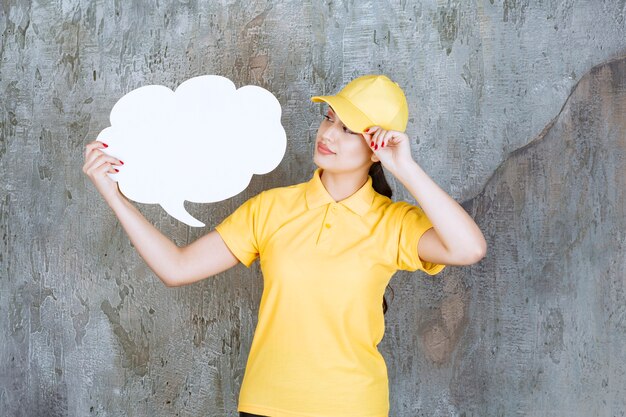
552 284
544 313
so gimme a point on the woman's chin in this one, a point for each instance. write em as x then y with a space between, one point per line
319 160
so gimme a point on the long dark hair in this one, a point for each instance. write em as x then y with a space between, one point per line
380 185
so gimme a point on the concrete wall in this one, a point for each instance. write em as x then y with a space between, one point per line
518 110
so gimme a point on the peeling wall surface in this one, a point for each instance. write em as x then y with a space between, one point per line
517 110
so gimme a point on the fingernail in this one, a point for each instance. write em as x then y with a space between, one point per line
121 162
376 147
105 145
372 143
117 170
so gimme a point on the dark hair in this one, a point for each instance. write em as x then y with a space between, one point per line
380 185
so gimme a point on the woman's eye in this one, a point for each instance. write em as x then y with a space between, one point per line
345 129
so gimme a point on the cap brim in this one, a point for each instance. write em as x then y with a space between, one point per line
349 114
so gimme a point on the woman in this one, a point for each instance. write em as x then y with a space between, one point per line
328 247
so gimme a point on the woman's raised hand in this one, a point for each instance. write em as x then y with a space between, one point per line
97 165
391 147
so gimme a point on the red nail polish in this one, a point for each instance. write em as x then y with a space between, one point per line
117 170
372 143
376 147
105 145
121 162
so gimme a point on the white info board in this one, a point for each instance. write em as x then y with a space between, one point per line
200 143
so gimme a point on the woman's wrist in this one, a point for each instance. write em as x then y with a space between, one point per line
405 169
116 200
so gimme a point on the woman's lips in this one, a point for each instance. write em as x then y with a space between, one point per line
324 150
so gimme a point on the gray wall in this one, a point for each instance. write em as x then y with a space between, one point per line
518 110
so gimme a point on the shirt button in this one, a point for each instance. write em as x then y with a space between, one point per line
327 225
334 208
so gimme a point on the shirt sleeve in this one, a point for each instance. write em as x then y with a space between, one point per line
413 224
239 231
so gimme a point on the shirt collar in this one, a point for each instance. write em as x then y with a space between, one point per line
359 202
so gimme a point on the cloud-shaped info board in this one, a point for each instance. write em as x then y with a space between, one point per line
200 143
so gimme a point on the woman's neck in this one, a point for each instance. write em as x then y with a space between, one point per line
342 185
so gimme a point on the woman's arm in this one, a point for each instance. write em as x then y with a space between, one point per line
207 256
456 238
161 254
174 266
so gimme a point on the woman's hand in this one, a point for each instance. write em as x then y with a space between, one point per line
97 165
391 147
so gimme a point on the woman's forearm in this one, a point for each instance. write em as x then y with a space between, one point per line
160 253
454 226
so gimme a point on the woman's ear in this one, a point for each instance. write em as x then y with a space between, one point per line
374 157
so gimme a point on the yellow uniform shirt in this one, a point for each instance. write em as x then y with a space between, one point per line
325 267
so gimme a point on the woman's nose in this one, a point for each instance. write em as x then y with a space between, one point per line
330 134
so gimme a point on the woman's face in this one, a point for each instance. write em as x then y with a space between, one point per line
350 151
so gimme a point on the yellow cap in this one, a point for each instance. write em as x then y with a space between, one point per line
370 100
